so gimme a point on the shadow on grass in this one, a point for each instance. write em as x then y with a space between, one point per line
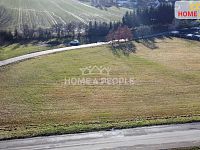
17 43
16 46
125 48
151 42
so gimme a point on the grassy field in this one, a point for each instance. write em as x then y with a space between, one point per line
45 13
14 50
35 101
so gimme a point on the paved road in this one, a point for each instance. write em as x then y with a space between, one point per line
36 54
33 55
155 137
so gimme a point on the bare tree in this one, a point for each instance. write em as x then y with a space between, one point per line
123 33
5 17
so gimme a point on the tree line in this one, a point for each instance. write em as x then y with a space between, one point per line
139 22
162 15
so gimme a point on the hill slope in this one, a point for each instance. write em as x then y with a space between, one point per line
44 13
34 99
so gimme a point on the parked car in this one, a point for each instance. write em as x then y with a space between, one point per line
189 36
74 43
175 33
197 37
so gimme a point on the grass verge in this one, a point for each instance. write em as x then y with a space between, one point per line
47 130
14 50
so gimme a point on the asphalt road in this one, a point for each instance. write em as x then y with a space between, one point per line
155 137
37 54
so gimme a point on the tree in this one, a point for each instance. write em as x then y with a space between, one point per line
126 33
27 32
122 32
4 19
143 31
117 38
16 34
71 29
5 37
162 15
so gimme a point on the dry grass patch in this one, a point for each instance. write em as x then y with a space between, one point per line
33 95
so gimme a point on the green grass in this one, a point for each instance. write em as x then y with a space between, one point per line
14 50
58 129
35 101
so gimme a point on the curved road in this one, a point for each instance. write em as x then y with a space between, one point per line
36 54
143 138
33 55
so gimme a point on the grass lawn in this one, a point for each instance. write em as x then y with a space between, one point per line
14 50
35 101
